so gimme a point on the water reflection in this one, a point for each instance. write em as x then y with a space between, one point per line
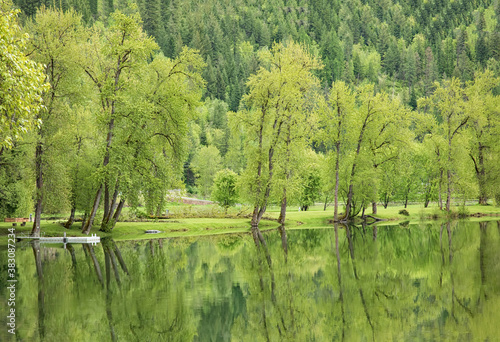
339 278
41 293
428 282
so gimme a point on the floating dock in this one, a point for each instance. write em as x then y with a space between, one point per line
93 239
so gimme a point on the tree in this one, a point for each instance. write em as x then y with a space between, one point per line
310 183
392 58
373 120
16 181
55 36
224 190
334 127
332 54
482 52
21 81
110 58
447 103
277 93
430 72
482 107
206 163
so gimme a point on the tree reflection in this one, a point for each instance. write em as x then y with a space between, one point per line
339 278
91 254
428 282
353 261
41 292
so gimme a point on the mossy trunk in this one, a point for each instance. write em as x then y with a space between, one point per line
39 189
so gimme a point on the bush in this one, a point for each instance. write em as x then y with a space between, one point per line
404 224
224 188
463 212
404 212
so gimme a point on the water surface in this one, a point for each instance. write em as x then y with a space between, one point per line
434 282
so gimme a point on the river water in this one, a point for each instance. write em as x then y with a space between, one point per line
429 282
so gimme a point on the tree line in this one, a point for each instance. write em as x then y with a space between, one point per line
114 118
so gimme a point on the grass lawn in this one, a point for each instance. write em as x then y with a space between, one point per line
179 226
136 230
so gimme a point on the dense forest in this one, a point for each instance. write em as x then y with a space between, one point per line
106 104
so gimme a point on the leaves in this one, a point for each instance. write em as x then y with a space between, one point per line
21 81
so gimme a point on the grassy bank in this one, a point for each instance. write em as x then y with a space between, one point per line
195 220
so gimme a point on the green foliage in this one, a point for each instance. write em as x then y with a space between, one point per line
273 120
310 183
224 190
206 163
121 117
387 28
21 80
16 182
404 212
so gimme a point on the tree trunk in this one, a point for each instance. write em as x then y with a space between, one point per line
326 204
348 205
88 225
39 189
284 242
260 210
257 214
117 213
97 268
339 279
350 194
71 219
119 257
483 227
106 220
374 208
107 250
106 203
427 196
448 190
386 200
336 191
448 171
481 175
41 293
105 162
440 191
281 219
84 219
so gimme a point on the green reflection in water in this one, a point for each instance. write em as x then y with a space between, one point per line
414 283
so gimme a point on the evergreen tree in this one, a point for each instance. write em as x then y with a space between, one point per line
332 57
482 53
495 35
392 59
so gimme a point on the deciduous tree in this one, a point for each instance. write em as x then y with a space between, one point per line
277 93
21 81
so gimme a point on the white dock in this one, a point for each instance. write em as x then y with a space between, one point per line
93 239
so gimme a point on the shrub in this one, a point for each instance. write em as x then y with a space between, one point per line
404 224
404 212
463 212
224 188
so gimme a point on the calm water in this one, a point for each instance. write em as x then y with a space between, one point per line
436 282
